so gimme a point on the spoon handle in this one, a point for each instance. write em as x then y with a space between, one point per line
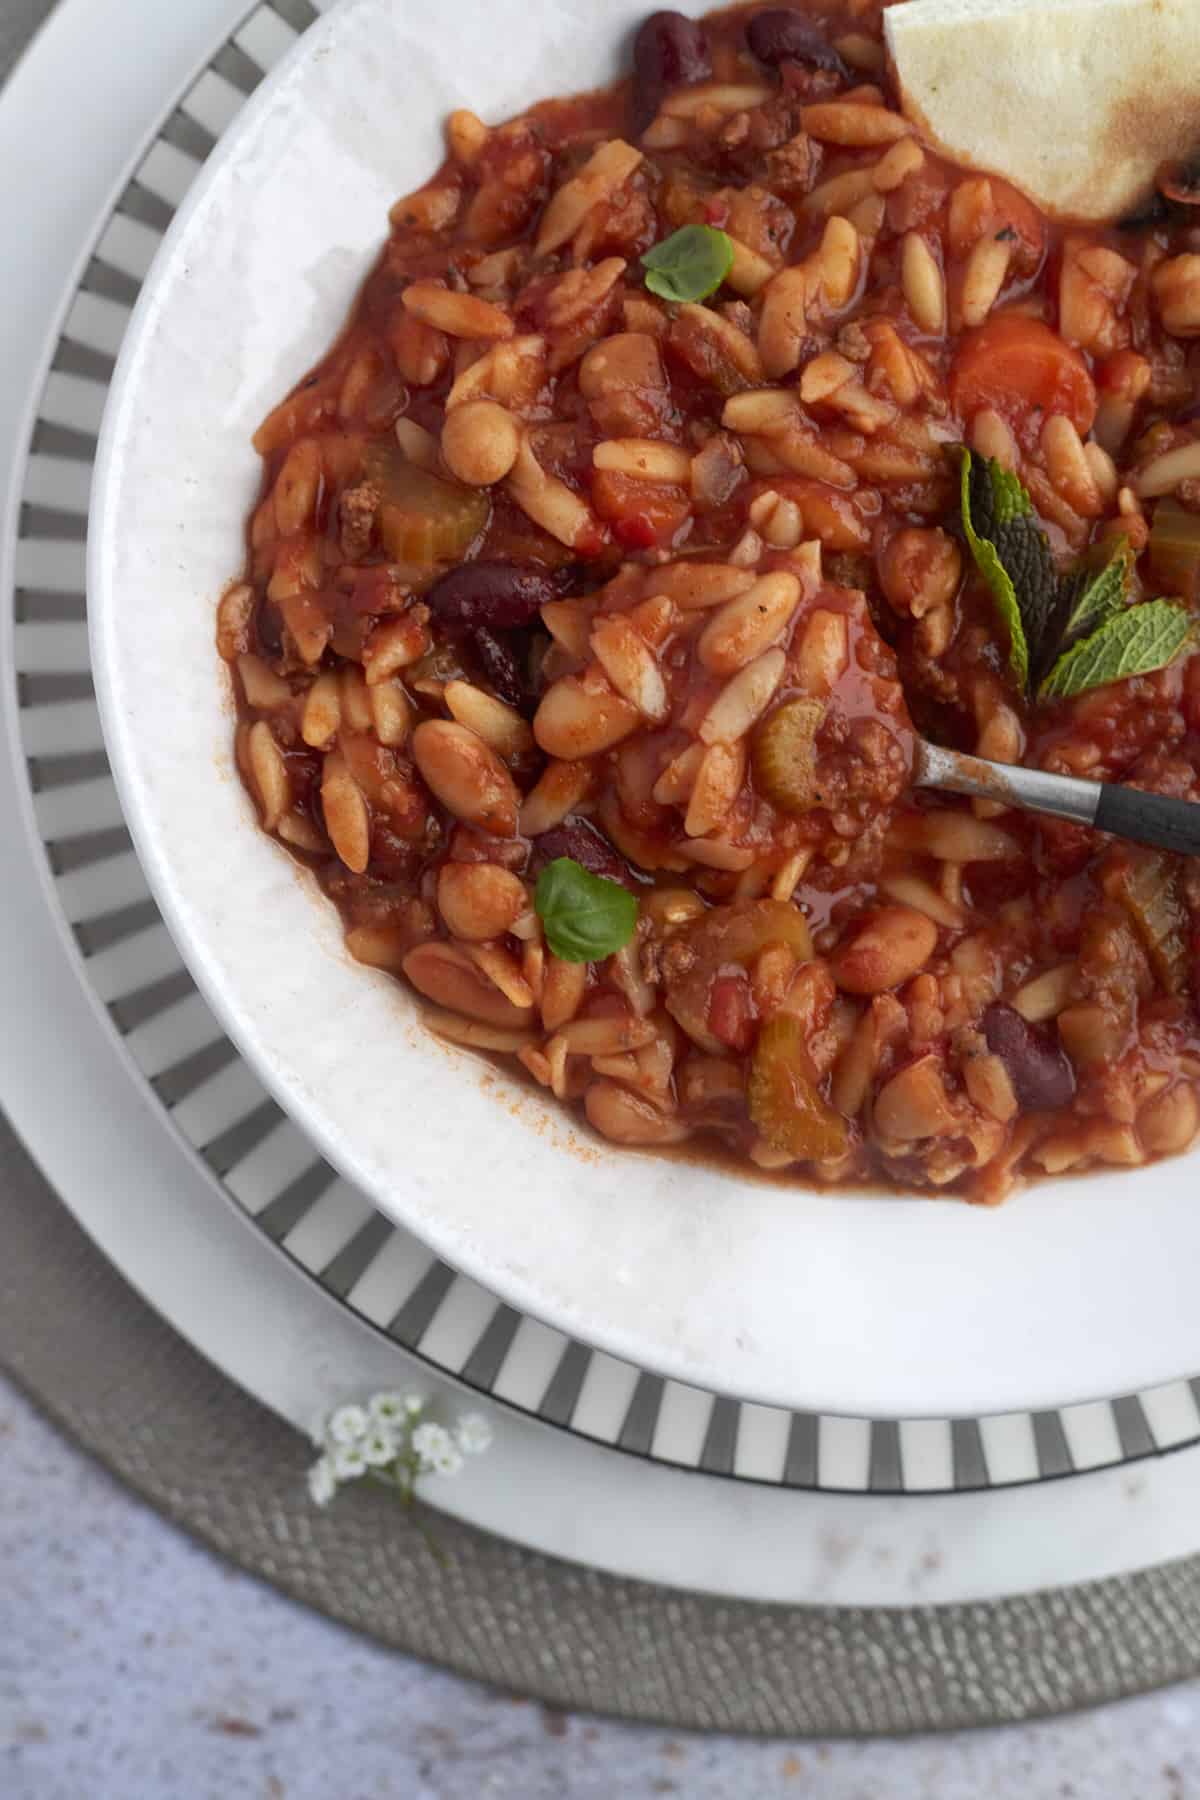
1126 812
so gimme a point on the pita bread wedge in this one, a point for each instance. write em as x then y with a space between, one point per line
1076 102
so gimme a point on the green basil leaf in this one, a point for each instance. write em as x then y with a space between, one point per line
1091 597
586 917
689 265
987 557
1134 642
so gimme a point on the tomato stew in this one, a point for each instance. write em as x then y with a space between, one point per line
560 566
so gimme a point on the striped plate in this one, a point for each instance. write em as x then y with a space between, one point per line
254 1154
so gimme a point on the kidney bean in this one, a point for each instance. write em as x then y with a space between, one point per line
669 51
781 35
268 628
583 844
501 668
498 596
1042 1077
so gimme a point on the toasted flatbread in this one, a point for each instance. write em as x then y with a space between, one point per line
1076 102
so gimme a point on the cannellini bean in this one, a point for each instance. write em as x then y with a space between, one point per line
581 717
446 975
466 776
479 900
501 727
627 1118
480 442
748 625
892 947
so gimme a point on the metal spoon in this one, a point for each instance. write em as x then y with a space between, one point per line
1105 805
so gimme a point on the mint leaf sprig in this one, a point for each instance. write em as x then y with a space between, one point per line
1067 633
1134 642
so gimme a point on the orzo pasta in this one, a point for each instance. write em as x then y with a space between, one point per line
689 443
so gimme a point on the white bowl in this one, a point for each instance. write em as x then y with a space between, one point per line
873 1305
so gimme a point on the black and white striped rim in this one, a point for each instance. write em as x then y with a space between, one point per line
257 1157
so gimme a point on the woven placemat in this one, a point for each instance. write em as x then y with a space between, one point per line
114 1376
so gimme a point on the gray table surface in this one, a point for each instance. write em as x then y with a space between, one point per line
135 1666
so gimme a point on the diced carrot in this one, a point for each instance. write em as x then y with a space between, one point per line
1018 365
642 513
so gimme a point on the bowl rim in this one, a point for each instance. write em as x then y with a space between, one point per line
942 1390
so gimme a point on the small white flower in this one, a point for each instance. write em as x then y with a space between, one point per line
473 1433
378 1448
322 1482
349 1462
347 1425
414 1404
388 1410
446 1462
431 1442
